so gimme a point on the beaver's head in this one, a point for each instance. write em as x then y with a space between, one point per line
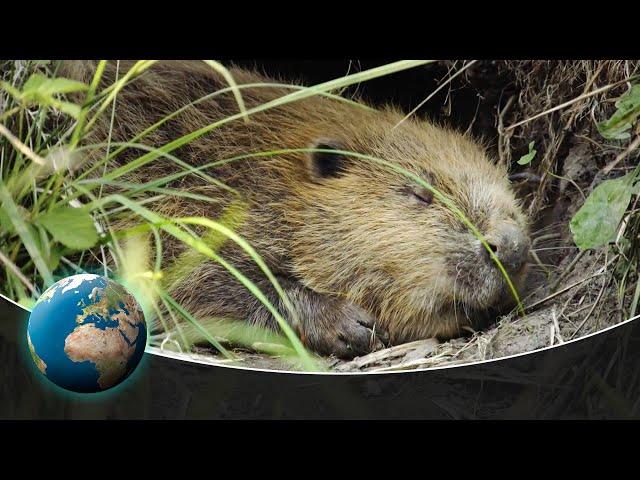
377 237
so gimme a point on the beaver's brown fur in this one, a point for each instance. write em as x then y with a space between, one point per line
353 244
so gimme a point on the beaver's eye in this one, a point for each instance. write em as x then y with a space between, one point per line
423 195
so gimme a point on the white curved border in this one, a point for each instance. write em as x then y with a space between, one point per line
191 359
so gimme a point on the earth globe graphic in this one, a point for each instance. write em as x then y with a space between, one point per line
86 333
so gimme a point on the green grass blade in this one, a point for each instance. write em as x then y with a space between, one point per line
187 169
185 314
139 67
77 131
226 74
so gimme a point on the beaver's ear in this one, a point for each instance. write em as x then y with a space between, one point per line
326 164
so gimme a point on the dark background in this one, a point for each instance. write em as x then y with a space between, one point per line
479 89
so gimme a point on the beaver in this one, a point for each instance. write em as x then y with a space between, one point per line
366 255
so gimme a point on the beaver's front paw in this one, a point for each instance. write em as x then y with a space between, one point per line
345 330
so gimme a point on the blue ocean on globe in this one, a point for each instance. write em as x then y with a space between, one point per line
86 333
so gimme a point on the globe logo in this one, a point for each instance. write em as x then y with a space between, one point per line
86 333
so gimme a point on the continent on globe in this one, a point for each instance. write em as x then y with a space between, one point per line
38 361
86 333
106 348
111 347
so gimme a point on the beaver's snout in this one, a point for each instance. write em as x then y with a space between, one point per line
511 245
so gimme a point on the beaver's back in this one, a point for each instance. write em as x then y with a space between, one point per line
266 184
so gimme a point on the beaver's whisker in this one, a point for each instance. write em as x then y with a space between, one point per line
545 238
533 264
551 248
551 226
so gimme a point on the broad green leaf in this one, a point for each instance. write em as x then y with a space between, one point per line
597 221
41 85
628 110
526 159
69 108
73 227
41 90
33 84
62 85
13 213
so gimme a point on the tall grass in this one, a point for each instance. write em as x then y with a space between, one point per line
55 221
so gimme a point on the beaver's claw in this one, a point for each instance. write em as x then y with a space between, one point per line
345 331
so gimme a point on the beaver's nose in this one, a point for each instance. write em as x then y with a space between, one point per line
510 244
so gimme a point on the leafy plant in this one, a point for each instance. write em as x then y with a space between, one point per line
597 221
73 227
628 109
43 91
526 159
